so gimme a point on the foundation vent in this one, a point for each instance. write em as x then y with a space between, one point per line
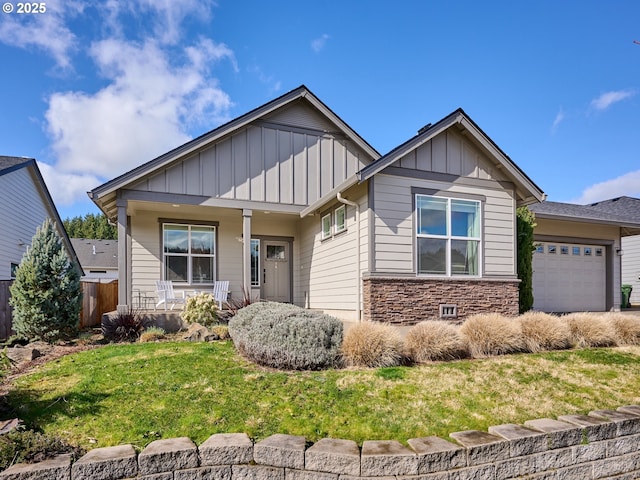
448 311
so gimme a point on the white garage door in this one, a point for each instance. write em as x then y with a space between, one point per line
569 277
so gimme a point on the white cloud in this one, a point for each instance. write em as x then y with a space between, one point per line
67 188
624 185
607 99
46 32
557 121
144 110
318 44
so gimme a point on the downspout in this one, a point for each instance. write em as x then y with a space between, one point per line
357 207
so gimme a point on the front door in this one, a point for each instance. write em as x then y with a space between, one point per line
276 271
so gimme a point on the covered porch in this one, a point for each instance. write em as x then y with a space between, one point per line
194 243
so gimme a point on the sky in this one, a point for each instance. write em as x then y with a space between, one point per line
94 88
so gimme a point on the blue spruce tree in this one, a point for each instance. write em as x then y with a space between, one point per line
46 294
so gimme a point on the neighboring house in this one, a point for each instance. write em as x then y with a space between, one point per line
25 203
630 208
577 264
289 203
99 258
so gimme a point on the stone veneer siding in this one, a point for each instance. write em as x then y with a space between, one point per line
409 300
604 444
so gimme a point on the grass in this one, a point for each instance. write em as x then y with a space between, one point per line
141 392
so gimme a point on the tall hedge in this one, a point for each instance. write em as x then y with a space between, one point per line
46 294
526 221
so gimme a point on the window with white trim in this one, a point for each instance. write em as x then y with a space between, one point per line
189 253
326 226
448 236
341 219
255 262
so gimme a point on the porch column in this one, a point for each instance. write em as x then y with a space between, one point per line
123 264
246 250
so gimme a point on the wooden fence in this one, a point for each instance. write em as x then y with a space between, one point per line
97 298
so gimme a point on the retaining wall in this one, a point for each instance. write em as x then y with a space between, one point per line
603 444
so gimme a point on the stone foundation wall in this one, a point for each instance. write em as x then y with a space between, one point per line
604 444
407 301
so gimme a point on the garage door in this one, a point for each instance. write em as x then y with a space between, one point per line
569 277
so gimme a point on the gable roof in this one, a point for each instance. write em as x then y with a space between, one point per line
93 253
526 189
11 164
104 193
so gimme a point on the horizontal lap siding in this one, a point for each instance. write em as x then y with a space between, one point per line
631 266
327 277
394 223
22 211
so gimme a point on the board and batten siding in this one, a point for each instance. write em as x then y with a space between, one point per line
328 277
449 153
292 157
631 266
22 211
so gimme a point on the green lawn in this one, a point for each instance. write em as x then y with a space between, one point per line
138 393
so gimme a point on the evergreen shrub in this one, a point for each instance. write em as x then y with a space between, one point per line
287 337
489 334
46 294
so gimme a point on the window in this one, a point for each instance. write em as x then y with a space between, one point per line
587 251
598 252
575 250
539 248
564 250
551 249
341 223
448 236
189 253
14 269
255 262
326 226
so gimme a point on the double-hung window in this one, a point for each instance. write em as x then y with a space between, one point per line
448 236
189 253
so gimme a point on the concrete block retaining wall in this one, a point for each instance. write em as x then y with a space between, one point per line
603 444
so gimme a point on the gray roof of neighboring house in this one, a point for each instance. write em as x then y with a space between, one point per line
605 214
100 254
9 164
626 206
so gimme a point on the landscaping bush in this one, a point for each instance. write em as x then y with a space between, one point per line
626 328
27 446
125 326
435 340
286 337
46 294
371 344
492 334
590 330
201 308
543 332
152 334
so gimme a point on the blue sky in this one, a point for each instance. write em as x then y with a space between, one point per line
92 89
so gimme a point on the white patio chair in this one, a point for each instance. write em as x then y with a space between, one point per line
166 294
220 292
